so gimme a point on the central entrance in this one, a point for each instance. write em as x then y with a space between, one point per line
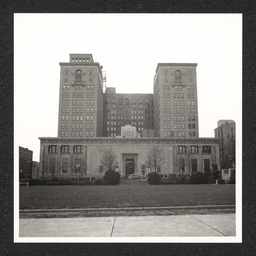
129 167
129 164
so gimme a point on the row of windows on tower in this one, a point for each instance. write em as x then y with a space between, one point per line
139 123
78 79
178 134
78 110
65 126
121 101
179 111
76 134
78 72
80 60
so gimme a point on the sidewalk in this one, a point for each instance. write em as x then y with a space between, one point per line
132 226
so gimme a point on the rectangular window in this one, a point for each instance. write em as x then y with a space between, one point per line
207 165
52 149
194 149
64 165
194 165
206 149
181 149
65 149
77 149
52 166
181 165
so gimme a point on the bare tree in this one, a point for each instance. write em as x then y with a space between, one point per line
155 157
77 165
52 166
108 159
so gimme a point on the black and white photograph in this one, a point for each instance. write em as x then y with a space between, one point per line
127 128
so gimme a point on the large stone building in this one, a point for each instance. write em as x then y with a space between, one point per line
175 100
92 121
226 132
82 157
81 98
127 109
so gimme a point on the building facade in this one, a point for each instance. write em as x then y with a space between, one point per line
127 109
226 132
175 101
73 158
92 121
80 98
25 163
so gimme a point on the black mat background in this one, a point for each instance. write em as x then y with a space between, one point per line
8 8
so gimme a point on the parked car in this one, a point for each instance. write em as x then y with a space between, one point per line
134 177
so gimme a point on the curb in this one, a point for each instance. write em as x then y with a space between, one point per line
198 207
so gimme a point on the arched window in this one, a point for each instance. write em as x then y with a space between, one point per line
78 76
127 102
177 77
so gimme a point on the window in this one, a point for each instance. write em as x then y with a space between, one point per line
181 165
177 77
127 102
52 149
207 165
194 165
181 149
194 149
78 76
65 165
90 79
77 149
65 149
206 149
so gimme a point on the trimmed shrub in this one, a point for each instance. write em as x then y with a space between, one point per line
197 178
33 182
154 178
112 177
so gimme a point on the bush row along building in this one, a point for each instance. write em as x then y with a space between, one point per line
92 120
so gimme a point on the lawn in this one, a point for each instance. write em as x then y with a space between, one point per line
60 197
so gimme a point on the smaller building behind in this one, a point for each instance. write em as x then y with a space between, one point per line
25 163
226 132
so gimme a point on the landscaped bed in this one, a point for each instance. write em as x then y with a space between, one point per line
102 196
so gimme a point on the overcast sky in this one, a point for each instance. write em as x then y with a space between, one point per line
128 46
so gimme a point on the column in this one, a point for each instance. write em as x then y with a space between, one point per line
171 160
188 167
84 159
45 163
71 149
58 172
213 158
217 154
200 160
174 159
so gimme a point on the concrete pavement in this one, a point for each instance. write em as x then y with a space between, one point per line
131 226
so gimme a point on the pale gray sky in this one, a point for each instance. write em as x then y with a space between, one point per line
128 46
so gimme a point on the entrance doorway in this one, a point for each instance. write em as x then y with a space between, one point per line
129 167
